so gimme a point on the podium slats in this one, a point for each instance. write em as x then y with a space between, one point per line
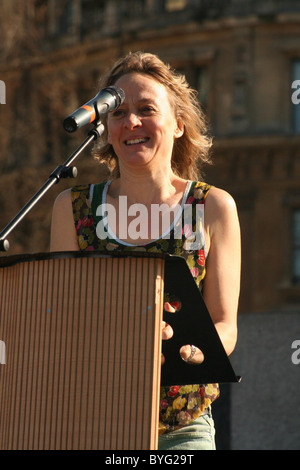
82 339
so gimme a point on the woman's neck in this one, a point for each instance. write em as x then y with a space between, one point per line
157 204
147 189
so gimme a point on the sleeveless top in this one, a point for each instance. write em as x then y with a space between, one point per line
179 405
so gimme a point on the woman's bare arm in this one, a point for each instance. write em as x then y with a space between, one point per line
222 280
63 233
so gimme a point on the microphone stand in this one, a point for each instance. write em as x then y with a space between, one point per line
62 171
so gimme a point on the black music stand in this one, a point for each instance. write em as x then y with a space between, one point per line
192 324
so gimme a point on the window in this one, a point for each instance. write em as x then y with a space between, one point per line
202 86
173 5
296 95
40 15
92 15
64 16
296 246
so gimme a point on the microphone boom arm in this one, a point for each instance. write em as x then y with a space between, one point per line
62 171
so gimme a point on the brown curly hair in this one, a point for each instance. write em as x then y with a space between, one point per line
192 149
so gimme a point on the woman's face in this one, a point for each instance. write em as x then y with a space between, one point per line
142 130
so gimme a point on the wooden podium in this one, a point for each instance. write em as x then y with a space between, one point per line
80 348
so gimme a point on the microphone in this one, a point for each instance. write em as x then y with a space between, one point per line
106 100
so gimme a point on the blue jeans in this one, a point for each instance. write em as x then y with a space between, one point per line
199 435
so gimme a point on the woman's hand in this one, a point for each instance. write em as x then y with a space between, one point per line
188 353
167 330
192 354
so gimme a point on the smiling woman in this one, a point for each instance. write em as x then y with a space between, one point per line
191 151
154 145
143 129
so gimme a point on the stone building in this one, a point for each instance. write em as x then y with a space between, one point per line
243 56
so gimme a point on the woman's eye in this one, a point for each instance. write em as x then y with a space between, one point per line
147 109
118 113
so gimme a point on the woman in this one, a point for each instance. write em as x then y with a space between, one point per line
153 145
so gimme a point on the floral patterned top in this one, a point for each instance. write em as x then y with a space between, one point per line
179 405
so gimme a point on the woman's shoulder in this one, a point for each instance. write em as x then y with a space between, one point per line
220 198
63 198
72 196
213 195
220 208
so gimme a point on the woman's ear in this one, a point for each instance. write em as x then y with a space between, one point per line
179 130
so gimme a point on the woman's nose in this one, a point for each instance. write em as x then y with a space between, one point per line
133 120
